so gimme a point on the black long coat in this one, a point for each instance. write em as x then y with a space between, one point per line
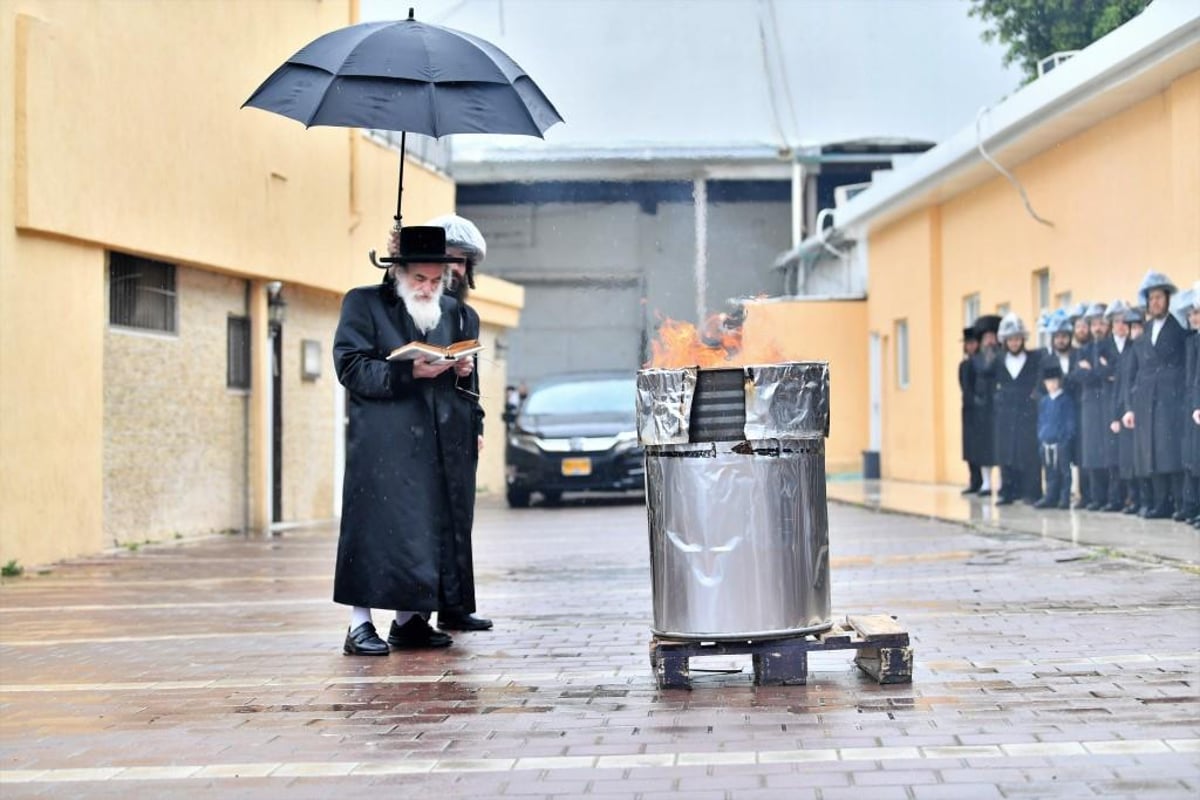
1155 396
974 438
1123 373
1015 410
983 443
1191 438
1097 447
411 453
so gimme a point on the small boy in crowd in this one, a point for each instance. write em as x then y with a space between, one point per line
1057 429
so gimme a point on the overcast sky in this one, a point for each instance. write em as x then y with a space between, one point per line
692 71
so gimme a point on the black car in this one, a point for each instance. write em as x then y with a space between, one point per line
575 433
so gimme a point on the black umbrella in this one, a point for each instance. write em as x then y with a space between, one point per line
406 76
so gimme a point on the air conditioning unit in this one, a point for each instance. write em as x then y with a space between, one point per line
1051 61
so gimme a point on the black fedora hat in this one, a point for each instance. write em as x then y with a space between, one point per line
970 334
1050 368
988 323
422 244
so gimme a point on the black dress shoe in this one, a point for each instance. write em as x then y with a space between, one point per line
364 641
1113 507
985 492
462 622
1045 502
1131 510
970 490
416 635
1162 512
1005 501
1094 506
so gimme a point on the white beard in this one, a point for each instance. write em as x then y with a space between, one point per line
426 314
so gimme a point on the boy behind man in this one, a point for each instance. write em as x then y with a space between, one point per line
1057 429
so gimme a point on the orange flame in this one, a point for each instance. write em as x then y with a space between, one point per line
720 344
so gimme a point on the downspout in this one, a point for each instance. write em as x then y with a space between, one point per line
700 205
797 202
246 420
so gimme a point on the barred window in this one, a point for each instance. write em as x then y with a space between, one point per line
141 293
238 337
902 377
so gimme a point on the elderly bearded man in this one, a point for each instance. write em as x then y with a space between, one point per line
409 495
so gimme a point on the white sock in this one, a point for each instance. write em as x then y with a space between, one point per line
986 486
358 616
403 617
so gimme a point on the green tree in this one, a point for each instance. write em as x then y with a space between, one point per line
1034 29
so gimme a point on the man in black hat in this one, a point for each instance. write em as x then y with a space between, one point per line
984 442
411 446
970 426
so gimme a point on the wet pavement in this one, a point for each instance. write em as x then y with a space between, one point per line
1122 533
1041 669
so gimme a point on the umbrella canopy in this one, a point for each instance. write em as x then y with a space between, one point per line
406 76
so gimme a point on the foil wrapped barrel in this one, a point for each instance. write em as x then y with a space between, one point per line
735 493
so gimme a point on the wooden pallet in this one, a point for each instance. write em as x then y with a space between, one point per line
883 653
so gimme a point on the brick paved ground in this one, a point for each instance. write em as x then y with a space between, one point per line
1042 669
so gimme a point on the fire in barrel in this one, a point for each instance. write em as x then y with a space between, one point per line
735 493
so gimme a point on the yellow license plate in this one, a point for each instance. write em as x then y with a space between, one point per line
576 466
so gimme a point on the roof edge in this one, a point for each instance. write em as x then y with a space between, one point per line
1164 31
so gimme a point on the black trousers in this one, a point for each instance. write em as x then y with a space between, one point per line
1023 482
1118 489
1098 486
1056 463
1168 490
975 474
1191 495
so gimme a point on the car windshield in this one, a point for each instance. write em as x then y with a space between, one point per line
608 396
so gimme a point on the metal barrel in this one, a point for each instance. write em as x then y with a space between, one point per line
739 531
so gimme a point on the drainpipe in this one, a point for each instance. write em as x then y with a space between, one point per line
700 204
797 202
246 426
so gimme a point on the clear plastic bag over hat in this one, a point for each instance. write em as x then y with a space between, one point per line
462 233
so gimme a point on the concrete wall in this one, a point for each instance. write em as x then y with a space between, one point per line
171 427
1124 197
822 330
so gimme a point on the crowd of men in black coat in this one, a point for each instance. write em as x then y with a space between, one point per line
1116 396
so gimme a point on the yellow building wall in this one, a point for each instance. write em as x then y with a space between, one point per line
118 132
51 395
823 330
1124 197
903 264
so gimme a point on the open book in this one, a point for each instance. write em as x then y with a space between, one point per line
436 354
